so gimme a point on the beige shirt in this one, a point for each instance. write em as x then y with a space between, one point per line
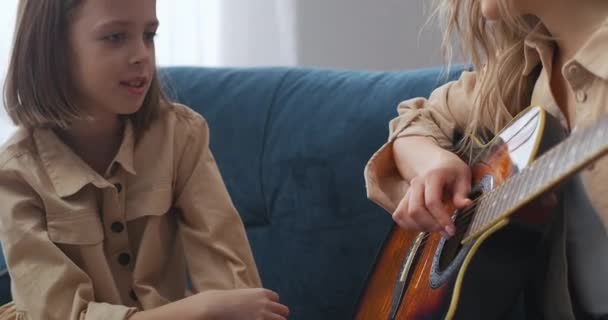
447 109
84 246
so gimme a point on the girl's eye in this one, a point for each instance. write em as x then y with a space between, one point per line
149 36
115 37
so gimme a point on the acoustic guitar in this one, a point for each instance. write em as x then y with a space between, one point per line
421 275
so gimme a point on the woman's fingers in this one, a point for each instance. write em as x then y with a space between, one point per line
418 211
434 190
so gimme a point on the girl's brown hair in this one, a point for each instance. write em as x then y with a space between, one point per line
38 85
496 50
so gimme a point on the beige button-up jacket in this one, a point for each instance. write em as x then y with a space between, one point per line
447 110
79 245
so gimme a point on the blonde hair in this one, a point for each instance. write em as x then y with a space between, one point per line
496 50
38 87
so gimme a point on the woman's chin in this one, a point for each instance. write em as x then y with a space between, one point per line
490 12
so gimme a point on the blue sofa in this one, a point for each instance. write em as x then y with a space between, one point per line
291 145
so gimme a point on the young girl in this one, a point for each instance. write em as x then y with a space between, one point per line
108 192
525 52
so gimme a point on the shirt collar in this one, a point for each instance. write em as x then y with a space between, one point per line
126 152
592 55
68 172
539 48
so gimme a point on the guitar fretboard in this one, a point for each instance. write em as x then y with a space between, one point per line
578 150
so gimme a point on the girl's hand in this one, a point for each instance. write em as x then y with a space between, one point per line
242 304
443 176
236 304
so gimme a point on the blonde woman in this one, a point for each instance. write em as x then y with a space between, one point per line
525 52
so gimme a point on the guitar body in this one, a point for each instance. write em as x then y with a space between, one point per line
422 276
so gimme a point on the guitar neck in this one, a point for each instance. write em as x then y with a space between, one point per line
580 149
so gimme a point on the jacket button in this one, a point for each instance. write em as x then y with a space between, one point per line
117 227
124 259
118 187
573 70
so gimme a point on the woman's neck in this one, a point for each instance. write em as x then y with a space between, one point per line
571 22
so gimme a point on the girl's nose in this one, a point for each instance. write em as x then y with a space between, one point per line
141 54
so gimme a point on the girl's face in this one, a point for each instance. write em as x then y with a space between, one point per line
112 54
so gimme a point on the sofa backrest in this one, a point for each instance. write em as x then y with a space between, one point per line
291 145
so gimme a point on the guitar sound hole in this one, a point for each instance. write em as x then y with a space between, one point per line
451 248
450 253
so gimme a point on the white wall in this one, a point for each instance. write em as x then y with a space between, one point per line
7 22
354 34
366 34
258 32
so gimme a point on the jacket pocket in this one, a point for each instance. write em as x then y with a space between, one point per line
152 202
76 228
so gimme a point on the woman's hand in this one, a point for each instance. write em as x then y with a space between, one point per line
437 176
